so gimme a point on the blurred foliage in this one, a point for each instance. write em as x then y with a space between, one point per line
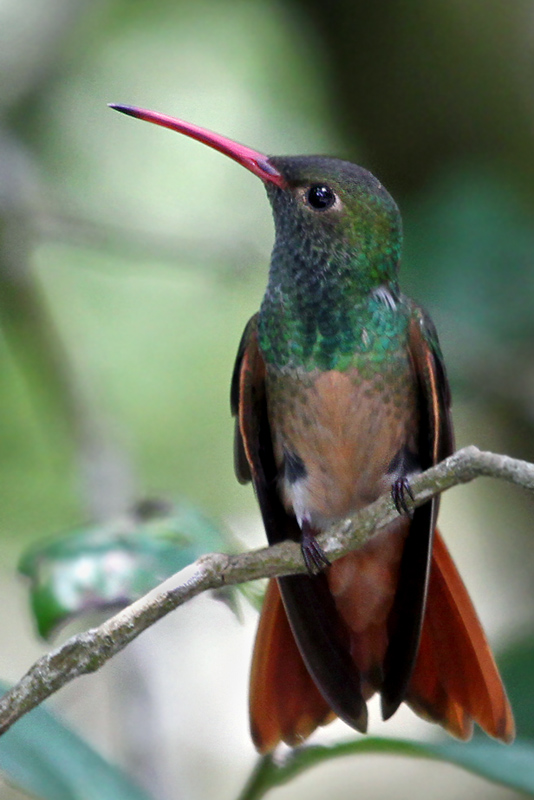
517 667
43 757
113 564
509 766
130 260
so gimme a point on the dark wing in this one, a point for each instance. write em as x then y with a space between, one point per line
321 635
435 442
241 464
285 703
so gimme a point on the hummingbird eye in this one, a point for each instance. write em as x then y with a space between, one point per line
320 197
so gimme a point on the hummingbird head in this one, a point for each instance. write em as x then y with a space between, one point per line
337 213
336 252
327 211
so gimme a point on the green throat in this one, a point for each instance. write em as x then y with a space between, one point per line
332 300
325 330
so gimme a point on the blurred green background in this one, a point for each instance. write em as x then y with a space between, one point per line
131 258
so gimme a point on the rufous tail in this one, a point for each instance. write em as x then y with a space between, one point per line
455 682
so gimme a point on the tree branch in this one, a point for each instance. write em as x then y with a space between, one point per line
88 651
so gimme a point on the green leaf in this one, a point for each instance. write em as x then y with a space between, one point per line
511 766
517 669
113 564
45 758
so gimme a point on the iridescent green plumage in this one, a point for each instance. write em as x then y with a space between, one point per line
333 274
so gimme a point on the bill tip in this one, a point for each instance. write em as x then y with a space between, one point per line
122 108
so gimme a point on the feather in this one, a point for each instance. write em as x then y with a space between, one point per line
285 704
326 643
435 442
456 681
319 631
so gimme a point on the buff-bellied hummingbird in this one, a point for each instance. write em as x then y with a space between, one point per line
340 394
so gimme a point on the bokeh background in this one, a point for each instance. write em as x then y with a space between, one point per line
131 258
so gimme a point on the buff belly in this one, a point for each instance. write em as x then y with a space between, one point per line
337 438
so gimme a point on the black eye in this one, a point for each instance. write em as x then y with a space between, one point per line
320 197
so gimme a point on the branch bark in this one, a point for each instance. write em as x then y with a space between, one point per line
88 651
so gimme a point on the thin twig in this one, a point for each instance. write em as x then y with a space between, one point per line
88 651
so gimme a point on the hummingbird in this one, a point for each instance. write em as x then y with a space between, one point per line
340 394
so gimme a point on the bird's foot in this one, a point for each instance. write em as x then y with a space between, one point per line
400 491
314 556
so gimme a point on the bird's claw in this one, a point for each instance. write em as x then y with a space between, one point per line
314 556
400 490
